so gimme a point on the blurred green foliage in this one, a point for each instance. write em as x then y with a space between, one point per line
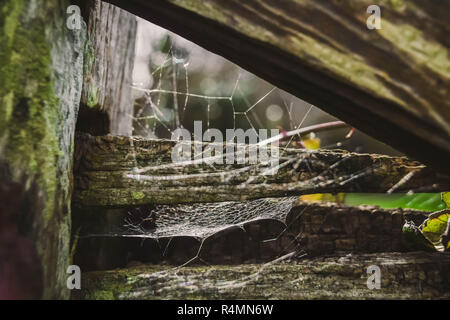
419 201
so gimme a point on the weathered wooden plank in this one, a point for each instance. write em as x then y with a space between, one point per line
314 229
106 101
414 275
391 83
121 171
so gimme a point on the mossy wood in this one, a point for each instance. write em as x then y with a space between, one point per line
42 56
392 83
109 172
41 63
414 275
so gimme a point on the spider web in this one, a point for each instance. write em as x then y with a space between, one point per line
154 119
168 104
173 100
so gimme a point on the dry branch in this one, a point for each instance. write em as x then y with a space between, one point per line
116 171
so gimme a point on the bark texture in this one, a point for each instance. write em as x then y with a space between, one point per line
414 275
108 174
392 83
41 63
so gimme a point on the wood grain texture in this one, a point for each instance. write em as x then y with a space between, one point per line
108 67
392 84
103 165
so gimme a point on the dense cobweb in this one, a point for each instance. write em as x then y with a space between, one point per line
169 102
167 105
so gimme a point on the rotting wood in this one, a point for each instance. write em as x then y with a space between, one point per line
392 83
109 172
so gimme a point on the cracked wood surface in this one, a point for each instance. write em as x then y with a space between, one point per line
392 83
117 171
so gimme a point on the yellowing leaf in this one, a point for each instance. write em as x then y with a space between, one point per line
446 198
323 197
338 197
435 227
312 144
312 197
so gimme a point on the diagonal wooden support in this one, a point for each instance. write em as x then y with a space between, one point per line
392 83
117 171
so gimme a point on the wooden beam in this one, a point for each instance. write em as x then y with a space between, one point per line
392 83
314 228
332 277
116 171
